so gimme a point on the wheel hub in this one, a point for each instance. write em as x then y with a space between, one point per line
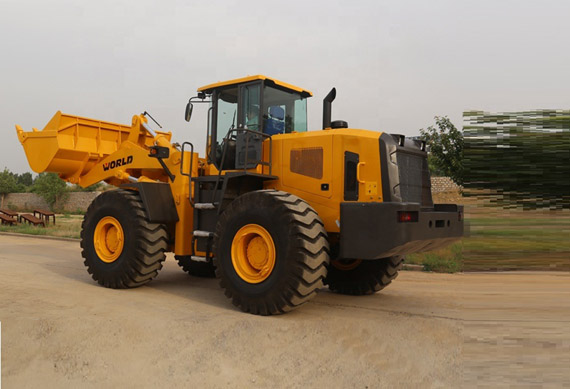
257 251
108 239
253 253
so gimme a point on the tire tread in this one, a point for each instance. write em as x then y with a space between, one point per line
311 253
368 278
152 243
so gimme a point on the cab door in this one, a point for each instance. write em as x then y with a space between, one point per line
250 106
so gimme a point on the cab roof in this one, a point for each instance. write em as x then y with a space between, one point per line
209 88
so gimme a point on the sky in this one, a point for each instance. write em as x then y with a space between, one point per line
395 64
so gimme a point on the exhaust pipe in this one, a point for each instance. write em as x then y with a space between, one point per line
327 108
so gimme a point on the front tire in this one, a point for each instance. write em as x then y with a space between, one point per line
357 277
271 252
121 248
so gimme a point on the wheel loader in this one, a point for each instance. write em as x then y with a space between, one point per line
272 210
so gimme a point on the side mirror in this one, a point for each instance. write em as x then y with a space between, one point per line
188 113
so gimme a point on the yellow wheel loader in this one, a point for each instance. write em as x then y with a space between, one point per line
272 210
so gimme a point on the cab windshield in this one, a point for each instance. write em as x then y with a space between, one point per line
261 108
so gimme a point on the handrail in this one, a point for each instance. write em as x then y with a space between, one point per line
259 162
182 167
208 131
246 156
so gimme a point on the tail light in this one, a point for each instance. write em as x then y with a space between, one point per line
407 216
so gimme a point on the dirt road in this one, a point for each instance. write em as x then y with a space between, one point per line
60 329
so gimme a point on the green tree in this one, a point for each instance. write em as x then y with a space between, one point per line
445 144
25 179
52 188
92 188
519 159
8 184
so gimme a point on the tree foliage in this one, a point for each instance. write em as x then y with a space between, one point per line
522 158
48 185
8 184
52 188
445 143
25 180
13 182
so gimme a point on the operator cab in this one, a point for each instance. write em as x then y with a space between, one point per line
262 106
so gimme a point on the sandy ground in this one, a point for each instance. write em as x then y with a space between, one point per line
60 329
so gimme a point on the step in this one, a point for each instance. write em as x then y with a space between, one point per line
198 259
203 234
205 206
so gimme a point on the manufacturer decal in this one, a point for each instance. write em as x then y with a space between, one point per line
117 163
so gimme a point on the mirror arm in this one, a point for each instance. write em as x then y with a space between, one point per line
189 105
193 99
190 101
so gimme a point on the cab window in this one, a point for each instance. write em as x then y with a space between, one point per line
283 111
227 108
250 109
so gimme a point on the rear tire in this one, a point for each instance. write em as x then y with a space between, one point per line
195 268
271 252
357 277
135 254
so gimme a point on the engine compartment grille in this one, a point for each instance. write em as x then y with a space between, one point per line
404 169
413 172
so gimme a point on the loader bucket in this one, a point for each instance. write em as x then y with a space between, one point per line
72 145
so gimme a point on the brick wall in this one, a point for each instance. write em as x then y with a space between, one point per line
443 184
79 201
76 201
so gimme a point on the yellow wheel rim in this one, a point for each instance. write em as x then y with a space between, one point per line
346 264
108 239
253 253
